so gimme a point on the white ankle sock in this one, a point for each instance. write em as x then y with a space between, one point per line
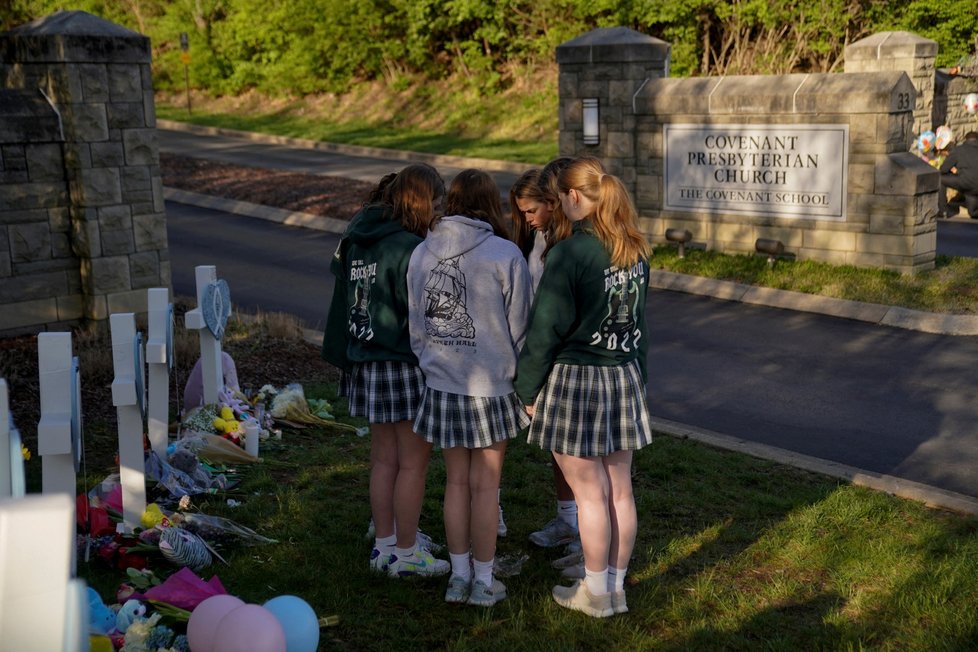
461 565
567 512
616 579
597 581
386 545
405 552
483 571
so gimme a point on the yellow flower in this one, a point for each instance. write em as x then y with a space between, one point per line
25 452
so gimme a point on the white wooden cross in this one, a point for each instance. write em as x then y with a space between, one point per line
41 607
6 457
54 436
129 399
159 360
210 345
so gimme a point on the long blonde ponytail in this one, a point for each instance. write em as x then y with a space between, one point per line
615 219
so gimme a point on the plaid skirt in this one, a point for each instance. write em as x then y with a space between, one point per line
449 420
384 391
586 410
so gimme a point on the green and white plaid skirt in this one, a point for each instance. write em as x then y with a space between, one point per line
385 391
449 420
588 410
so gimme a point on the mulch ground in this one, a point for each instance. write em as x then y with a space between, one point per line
307 193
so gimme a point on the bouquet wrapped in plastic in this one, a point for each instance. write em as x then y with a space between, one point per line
290 405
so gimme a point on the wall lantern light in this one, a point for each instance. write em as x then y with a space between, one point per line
590 114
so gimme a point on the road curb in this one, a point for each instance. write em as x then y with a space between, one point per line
900 487
282 216
915 320
929 496
351 150
905 318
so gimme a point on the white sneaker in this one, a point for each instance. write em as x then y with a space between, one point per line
553 534
420 563
379 561
427 543
481 595
575 572
578 598
573 559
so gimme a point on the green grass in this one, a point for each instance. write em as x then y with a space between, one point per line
733 553
447 117
951 287
360 132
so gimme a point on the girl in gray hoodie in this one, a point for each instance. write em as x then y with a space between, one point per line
468 301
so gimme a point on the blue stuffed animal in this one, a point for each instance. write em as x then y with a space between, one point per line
129 613
101 619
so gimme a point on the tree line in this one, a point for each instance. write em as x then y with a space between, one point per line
314 46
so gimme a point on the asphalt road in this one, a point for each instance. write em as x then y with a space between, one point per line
887 400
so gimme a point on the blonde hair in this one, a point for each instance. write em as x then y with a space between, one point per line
615 219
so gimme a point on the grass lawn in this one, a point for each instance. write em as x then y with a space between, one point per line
733 553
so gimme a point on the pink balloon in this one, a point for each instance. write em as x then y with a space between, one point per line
202 626
251 627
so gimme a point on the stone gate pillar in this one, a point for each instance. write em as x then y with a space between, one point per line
608 65
97 76
900 51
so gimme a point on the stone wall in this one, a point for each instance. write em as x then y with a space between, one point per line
890 200
901 52
957 118
96 76
39 273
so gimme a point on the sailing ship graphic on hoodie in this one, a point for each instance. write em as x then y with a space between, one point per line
445 314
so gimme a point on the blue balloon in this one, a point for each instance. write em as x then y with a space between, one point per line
299 621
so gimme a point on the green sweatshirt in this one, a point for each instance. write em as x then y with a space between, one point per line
368 313
585 312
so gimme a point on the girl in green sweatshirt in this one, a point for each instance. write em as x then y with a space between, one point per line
582 373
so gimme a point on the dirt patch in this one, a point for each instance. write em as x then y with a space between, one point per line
328 196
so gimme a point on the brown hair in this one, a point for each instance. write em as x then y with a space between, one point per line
473 193
412 194
377 193
560 226
615 219
526 187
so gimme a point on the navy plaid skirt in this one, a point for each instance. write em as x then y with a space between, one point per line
449 420
384 391
587 410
